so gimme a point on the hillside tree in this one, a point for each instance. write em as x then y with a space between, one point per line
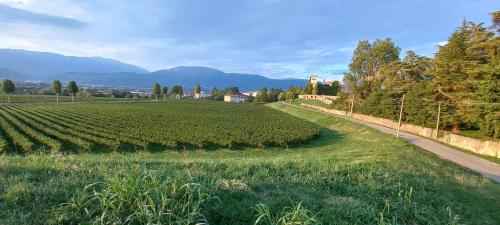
72 89
178 91
57 88
262 96
232 90
197 89
368 60
217 94
156 90
315 90
8 87
164 91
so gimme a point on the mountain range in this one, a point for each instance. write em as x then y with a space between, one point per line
22 65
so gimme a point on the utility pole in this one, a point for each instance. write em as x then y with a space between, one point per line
400 115
437 123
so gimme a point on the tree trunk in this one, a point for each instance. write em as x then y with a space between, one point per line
164 97
156 97
72 97
57 97
8 98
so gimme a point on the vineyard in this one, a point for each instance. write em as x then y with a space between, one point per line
147 126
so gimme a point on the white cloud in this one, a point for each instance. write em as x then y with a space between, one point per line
442 43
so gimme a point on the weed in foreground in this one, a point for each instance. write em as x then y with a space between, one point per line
139 196
288 216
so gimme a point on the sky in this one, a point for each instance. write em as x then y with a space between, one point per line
274 38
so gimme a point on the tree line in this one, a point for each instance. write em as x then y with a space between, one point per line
177 91
8 87
462 80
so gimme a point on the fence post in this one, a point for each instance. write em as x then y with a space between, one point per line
437 123
400 115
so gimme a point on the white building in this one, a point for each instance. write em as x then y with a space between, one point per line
251 94
235 98
202 95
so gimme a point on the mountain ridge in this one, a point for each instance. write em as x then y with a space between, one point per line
46 66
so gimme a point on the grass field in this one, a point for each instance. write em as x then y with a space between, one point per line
350 175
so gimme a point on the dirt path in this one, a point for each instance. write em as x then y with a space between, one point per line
479 165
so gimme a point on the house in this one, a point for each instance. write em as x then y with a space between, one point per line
235 98
251 93
202 95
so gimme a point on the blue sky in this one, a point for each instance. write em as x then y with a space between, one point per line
275 38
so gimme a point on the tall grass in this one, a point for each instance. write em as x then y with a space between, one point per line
294 215
137 195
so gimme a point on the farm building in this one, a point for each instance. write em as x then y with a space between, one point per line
235 98
201 95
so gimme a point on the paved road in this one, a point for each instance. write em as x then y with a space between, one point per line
482 166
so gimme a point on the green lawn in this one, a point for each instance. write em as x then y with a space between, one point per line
350 175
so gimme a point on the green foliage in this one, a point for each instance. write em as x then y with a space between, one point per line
57 87
464 77
232 90
325 89
282 96
217 94
266 95
293 93
315 90
178 91
308 89
156 89
164 91
367 62
8 86
262 96
495 21
72 87
197 89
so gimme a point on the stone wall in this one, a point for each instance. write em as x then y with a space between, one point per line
490 148
324 98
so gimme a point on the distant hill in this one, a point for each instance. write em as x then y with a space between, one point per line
209 78
44 66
